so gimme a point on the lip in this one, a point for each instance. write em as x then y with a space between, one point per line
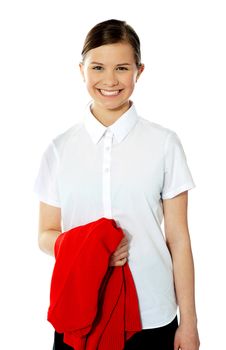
110 93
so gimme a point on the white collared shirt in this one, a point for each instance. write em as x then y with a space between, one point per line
123 172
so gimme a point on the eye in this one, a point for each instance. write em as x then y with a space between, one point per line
97 68
122 68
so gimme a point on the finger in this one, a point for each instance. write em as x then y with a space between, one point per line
120 256
120 251
120 262
120 246
176 344
123 241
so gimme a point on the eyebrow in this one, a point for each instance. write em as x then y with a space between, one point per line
120 64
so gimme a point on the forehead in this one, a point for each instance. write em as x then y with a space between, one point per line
111 53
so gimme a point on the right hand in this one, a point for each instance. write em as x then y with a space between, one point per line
119 257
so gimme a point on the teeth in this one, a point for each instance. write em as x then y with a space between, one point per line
109 93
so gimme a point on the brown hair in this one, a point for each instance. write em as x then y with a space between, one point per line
110 32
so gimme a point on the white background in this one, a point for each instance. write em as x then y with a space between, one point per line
42 94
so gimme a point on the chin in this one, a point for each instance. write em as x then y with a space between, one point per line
114 106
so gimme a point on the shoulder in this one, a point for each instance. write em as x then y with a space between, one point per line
156 131
63 138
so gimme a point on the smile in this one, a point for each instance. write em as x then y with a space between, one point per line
109 92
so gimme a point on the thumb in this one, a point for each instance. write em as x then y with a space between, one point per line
176 342
176 345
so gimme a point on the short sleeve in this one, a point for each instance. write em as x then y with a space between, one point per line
46 182
177 176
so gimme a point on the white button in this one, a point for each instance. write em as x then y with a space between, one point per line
107 148
106 170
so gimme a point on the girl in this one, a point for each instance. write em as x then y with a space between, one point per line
118 165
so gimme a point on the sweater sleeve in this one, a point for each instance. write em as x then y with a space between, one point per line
87 297
82 260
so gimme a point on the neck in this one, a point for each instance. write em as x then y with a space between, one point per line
109 116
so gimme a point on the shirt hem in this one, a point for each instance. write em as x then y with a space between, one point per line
161 324
178 191
47 201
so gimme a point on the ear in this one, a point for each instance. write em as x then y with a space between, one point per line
140 70
81 67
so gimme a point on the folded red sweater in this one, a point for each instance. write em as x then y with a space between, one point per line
94 305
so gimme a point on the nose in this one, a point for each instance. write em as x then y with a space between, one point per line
110 79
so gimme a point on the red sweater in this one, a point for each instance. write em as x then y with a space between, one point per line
94 305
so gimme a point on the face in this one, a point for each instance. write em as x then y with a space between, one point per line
110 74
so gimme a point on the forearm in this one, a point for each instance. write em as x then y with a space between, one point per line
46 241
178 242
184 280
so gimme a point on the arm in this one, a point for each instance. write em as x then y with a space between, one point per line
49 227
178 242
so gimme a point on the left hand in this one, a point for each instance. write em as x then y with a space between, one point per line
186 338
119 257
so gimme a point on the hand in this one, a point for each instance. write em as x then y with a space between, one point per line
186 338
119 257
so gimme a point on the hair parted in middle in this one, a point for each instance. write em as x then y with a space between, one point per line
111 32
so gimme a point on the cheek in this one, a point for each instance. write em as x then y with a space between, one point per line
131 80
90 80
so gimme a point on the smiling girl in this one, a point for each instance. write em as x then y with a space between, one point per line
116 164
110 72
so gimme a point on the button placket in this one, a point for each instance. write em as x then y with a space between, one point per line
107 174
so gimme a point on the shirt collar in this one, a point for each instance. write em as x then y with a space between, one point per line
120 128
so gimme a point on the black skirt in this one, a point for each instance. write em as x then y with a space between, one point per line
161 338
